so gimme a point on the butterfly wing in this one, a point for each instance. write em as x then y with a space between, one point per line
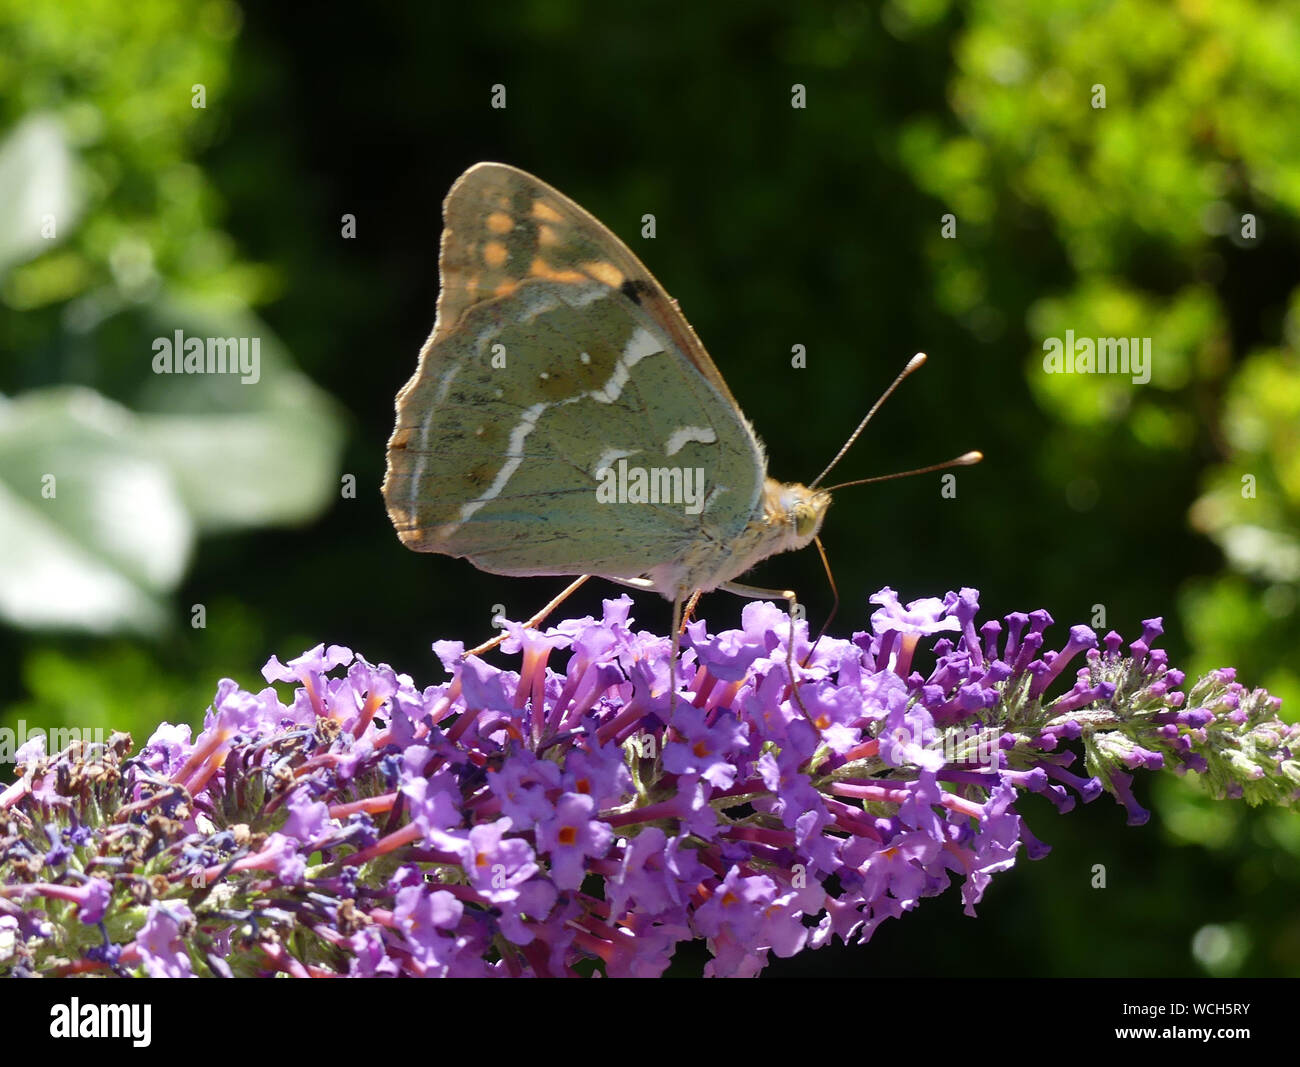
555 357
503 225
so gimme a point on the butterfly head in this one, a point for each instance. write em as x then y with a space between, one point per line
796 511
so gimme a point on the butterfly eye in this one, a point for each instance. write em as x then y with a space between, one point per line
805 519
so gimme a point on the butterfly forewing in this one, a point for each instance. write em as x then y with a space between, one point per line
502 225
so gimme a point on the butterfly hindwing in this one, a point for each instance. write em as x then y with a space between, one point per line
554 358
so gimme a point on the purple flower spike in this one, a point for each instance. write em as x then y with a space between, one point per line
575 814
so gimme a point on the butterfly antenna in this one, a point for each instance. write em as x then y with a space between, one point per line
914 363
966 459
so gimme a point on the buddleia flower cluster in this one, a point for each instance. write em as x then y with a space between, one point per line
575 816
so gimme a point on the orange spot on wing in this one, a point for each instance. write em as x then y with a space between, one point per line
541 269
500 222
505 288
605 272
542 210
495 254
547 237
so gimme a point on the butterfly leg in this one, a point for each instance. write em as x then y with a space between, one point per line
535 621
753 592
690 607
677 647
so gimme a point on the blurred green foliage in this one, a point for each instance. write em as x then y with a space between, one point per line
776 226
1156 205
111 239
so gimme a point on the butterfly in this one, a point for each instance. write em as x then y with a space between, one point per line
564 419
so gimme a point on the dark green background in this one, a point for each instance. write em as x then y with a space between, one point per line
776 227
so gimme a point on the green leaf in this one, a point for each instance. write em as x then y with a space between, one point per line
243 454
93 529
